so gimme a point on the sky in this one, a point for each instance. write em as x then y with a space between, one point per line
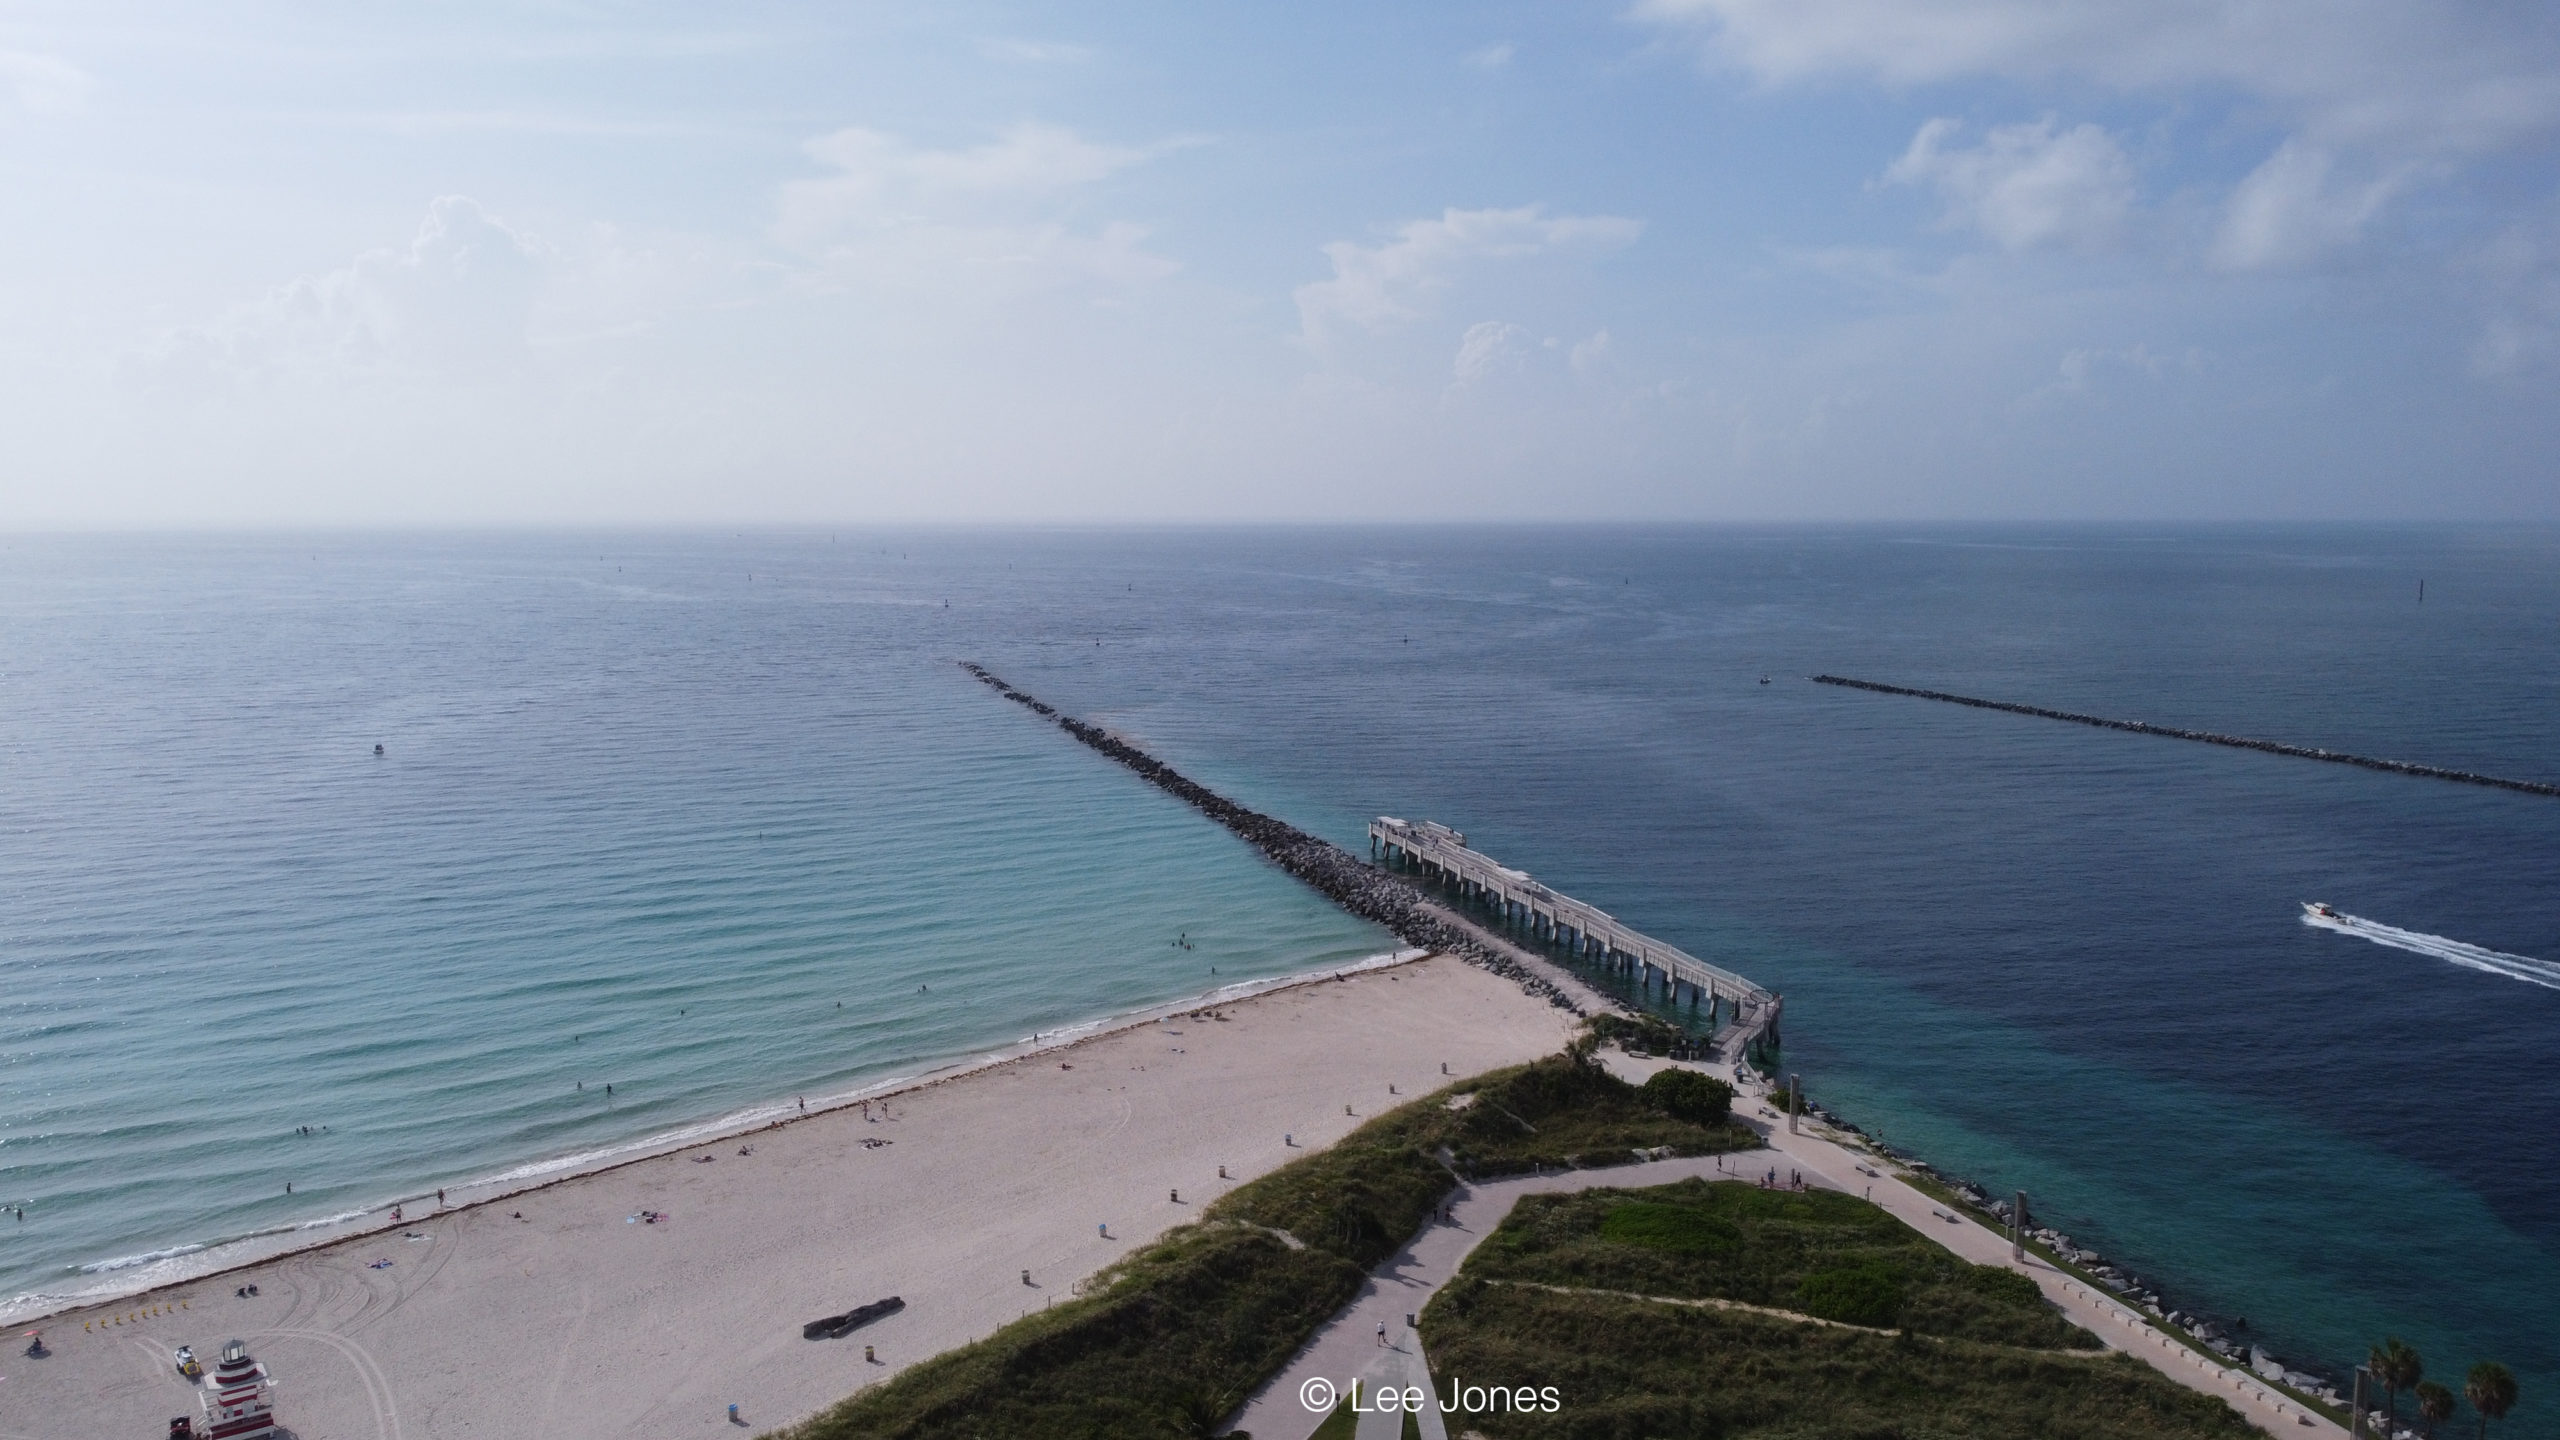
1681 260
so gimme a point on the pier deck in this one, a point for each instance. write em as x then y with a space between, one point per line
1585 929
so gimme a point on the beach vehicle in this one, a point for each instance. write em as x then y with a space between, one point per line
2318 910
237 1405
188 1365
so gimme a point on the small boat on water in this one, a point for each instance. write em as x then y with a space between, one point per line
236 1401
2318 910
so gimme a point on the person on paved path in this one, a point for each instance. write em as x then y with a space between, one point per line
1382 1332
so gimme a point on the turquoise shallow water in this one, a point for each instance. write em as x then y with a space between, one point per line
624 780
699 846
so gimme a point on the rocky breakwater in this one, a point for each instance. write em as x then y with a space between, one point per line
2207 737
1373 894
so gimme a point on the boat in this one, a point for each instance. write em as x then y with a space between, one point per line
236 1402
2318 910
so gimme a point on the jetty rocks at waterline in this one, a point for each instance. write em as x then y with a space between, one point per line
1364 890
836 1327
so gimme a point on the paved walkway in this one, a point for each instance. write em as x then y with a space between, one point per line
1828 1161
1346 1347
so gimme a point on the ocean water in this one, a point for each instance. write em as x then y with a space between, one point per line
643 818
639 822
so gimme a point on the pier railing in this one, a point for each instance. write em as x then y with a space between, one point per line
1585 929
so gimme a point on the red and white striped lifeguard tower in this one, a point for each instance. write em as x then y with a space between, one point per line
237 1405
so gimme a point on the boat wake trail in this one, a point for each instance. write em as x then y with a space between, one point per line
2471 957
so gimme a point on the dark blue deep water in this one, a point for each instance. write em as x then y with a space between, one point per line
622 779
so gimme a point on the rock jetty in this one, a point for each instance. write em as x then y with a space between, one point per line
1373 894
2238 742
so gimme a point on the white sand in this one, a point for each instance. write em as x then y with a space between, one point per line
572 1322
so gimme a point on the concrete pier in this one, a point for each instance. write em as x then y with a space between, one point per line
1585 930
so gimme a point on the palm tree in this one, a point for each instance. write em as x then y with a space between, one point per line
2435 1405
2397 1367
2491 1389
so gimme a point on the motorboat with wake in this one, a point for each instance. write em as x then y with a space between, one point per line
2319 910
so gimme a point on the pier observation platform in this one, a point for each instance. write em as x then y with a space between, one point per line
1583 929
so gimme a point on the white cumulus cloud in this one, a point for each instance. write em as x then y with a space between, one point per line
1490 348
1375 287
2384 89
456 301
2025 186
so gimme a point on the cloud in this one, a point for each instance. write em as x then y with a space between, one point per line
1376 287
1490 348
43 84
2522 332
878 173
989 216
1490 57
2025 186
2293 208
2390 90
457 301
2429 74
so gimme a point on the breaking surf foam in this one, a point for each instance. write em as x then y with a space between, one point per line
2471 957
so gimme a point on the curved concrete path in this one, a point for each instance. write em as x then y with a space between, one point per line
1347 1347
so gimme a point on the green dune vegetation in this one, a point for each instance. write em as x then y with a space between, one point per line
1632 1367
1818 1253
1855 1326
1690 1310
1171 1340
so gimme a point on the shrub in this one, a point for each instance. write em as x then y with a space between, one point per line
1679 1229
1869 1294
1688 1095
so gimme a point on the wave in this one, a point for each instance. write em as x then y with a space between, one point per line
127 1262
162 1267
2471 957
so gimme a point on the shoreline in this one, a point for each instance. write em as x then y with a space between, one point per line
241 1252
976 1197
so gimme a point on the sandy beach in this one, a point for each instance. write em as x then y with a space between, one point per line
579 1320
